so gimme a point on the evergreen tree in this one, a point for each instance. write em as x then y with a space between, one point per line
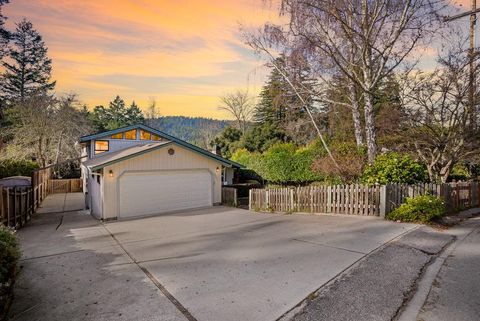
134 114
116 115
279 104
272 105
28 68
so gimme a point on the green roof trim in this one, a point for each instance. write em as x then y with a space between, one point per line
176 140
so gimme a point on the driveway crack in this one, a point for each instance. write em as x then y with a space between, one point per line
154 280
330 246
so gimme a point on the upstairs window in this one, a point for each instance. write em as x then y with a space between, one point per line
144 135
117 136
101 146
131 134
156 137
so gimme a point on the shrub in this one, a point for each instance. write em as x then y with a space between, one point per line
394 167
422 209
9 254
350 159
460 172
11 167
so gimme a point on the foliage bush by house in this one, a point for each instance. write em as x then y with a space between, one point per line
394 167
422 209
9 256
12 167
283 163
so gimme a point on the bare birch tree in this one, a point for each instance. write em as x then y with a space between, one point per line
152 112
238 104
366 41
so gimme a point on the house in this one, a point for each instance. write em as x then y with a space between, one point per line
138 171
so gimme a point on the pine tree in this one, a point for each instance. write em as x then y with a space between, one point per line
272 105
27 67
134 114
116 115
279 103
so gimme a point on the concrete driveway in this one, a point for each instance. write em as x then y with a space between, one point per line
211 264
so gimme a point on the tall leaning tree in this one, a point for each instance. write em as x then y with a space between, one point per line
27 67
365 41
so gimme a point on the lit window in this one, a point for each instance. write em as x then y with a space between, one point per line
101 146
131 134
156 137
144 135
117 136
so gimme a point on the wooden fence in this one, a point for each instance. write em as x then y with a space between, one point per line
40 180
359 199
65 185
229 196
456 195
349 199
16 206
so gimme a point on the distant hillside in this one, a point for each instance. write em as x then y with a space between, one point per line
196 130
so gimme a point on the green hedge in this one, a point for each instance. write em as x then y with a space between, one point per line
394 167
421 209
11 167
9 256
283 163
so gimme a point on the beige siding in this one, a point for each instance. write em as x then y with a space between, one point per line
157 160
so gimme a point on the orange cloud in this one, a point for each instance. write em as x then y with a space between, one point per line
185 53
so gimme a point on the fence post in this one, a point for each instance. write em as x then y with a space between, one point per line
7 205
383 200
329 199
250 199
235 198
292 201
267 198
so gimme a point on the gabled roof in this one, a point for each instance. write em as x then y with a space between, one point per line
115 157
136 151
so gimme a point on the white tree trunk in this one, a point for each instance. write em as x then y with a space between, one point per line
357 125
370 132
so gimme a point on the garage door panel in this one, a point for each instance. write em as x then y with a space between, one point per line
163 191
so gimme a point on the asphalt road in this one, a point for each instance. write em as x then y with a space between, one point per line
377 288
455 293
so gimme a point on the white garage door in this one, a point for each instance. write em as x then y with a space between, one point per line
147 193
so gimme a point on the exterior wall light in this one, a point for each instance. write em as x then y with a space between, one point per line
110 173
218 169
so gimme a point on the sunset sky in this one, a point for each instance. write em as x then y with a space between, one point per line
183 53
